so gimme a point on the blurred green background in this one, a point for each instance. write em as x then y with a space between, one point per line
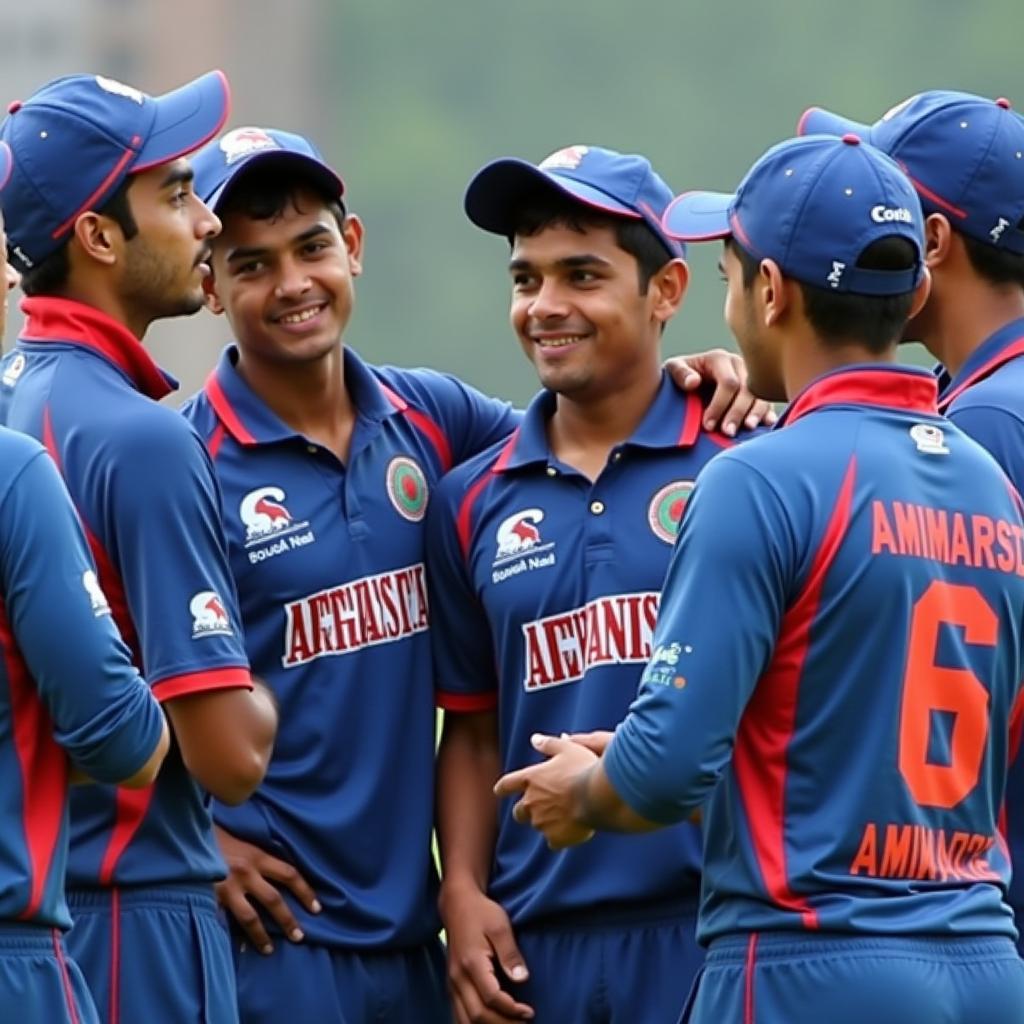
408 99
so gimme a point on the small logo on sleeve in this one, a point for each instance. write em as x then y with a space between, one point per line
209 617
665 511
13 370
929 439
663 668
407 488
97 599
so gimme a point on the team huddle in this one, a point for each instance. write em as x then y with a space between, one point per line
731 713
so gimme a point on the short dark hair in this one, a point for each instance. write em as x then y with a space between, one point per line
875 321
996 266
636 237
50 277
264 193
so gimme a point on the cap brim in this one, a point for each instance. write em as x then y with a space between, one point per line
318 173
186 119
497 192
6 164
815 121
698 216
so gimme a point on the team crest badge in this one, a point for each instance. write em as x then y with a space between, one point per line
243 141
407 488
567 159
929 439
666 509
518 533
15 368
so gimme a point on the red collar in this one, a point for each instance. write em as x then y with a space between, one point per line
898 387
1012 351
70 322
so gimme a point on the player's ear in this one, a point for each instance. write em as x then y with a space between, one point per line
352 233
937 239
667 289
212 299
97 237
773 291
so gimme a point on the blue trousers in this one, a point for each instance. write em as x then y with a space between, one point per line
154 955
789 979
39 984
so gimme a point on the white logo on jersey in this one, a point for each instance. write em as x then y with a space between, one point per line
518 533
929 439
14 370
243 141
265 516
882 214
111 85
209 617
997 232
97 598
613 630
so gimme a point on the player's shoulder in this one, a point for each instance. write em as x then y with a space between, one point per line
455 485
16 452
198 410
422 387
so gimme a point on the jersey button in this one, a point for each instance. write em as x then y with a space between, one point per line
597 507
312 449
551 471
616 456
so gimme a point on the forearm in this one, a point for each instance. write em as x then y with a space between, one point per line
597 805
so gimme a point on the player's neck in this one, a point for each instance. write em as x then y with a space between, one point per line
92 293
965 316
810 359
311 397
583 430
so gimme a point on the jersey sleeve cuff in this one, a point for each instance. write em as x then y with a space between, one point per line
230 678
466 702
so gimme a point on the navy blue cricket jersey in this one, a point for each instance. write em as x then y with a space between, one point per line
143 486
329 563
836 663
545 589
67 685
986 401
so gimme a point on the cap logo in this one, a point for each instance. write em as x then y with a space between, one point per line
836 274
882 214
16 250
243 141
893 111
117 88
997 232
567 159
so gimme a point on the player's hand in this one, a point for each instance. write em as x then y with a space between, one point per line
732 404
547 790
480 935
596 741
252 874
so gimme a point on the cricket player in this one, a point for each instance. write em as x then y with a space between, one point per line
545 559
965 156
326 465
108 235
73 710
838 652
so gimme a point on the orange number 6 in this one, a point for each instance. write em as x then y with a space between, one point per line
927 688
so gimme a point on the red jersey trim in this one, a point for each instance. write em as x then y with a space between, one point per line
69 322
466 702
900 389
691 421
131 808
424 424
463 519
748 980
44 769
1012 351
215 440
233 678
225 413
65 978
769 721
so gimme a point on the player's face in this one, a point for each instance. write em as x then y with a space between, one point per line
165 263
764 367
578 311
286 284
10 279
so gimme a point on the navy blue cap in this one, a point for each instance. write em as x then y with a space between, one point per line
219 164
964 154
76 140
813 205
615 183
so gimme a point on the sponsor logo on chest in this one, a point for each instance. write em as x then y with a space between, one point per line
270 527
613 630
520 547
362 613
